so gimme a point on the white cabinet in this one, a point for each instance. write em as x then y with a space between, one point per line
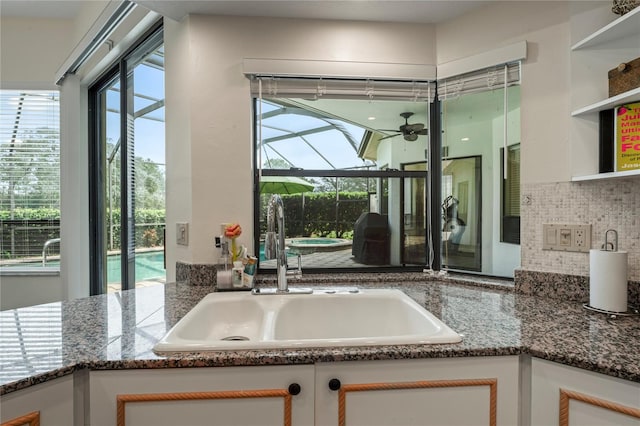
591 58
566 396
443 391
46 404
450 391
203 396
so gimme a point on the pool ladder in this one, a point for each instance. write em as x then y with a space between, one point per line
45 247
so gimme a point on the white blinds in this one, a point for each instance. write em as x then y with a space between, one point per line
29 150
452 87
315 88
479 81
33 333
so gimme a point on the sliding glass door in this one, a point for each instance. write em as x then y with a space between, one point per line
128 171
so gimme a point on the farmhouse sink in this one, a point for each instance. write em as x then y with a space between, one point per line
239 320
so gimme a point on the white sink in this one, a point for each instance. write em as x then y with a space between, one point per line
235 321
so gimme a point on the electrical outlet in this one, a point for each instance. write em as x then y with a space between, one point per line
182 234
582 237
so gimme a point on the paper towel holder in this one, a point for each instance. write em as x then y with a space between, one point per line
614 245
631 312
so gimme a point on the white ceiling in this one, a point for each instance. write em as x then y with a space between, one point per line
414 11
417 11
55 9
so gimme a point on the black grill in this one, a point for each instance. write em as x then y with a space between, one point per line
371 239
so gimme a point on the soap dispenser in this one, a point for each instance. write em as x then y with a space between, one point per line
224 280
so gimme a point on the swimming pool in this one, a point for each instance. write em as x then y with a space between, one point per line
307 245
149 266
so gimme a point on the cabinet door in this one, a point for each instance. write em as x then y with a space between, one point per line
469 391
562 395
46 404
202 396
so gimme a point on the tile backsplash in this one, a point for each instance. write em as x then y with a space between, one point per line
605 204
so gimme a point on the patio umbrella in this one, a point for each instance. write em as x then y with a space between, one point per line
284 185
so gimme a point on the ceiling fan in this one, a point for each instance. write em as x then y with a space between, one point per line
410 132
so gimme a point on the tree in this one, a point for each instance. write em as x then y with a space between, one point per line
149 181
325 184
150 184
276 163
30 170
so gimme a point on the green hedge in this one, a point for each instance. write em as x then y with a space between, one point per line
150 224
320 214
31 214
149 229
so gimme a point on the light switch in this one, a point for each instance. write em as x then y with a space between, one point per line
552 236
182 234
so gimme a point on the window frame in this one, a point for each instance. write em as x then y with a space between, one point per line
39 270
97 198
504 188
431 175
496 216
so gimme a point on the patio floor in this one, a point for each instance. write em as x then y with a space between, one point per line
329 259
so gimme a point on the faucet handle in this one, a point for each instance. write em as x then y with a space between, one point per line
296 273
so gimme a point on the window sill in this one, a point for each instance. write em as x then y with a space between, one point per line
26 271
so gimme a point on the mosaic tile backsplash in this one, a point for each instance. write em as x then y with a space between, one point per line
606 204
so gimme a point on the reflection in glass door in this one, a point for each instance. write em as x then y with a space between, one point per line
461 210
414 214
477 128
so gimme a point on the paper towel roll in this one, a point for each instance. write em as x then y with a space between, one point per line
608 280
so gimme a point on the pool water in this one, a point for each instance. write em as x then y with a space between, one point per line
308 245
262 258
149 266
309 241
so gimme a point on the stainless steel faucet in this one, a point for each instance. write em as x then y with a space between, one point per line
274 242
274 247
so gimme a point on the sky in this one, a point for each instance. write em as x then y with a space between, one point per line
149 134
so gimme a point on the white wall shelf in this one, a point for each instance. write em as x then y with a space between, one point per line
591 59
610 175
623 98
625 26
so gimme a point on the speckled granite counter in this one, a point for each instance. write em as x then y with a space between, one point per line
118 331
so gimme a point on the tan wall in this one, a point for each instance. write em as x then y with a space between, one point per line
545 74
20 290
211 52
546 91
31 50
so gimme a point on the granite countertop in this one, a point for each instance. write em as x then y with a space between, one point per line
118 331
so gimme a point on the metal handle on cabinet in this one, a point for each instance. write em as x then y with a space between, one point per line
294 389
334 384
